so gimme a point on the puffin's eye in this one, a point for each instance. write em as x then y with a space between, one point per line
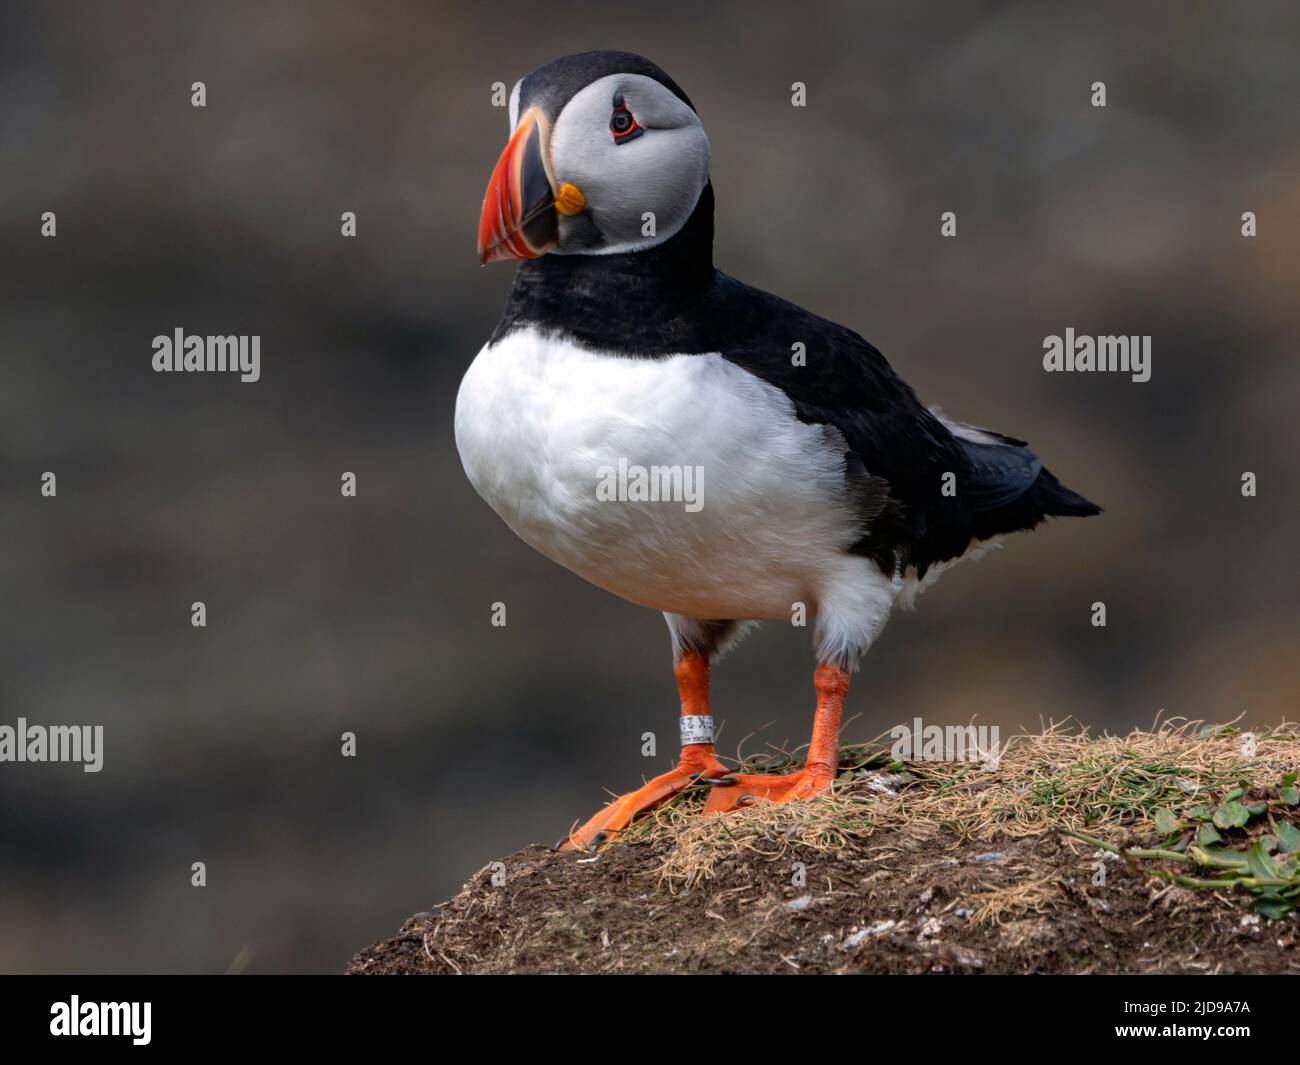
622 124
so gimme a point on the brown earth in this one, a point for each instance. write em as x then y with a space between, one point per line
950 870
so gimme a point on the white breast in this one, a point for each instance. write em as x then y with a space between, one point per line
543 428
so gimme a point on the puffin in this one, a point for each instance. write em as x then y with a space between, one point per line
793 474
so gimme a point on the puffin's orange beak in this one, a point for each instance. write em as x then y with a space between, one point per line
519 218
521 209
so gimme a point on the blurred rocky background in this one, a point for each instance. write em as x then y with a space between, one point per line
371 614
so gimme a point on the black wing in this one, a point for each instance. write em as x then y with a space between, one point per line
895 445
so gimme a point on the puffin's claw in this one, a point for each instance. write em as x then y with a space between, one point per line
619 813
768 787
724 795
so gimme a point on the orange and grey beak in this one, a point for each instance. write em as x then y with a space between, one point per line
521 209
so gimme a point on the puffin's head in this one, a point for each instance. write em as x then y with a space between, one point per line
606 154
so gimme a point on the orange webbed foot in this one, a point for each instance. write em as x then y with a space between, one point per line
622 810
730 791
750 788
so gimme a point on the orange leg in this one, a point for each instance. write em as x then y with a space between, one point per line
698 760
831 685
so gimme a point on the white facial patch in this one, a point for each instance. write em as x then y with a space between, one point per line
639 191
514 105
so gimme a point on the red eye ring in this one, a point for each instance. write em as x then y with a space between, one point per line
623 124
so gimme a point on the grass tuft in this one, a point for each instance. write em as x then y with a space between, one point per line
1180 783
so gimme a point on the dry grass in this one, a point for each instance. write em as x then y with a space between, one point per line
1059 781
1119 854
996 906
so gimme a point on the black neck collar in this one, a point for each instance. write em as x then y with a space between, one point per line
627 298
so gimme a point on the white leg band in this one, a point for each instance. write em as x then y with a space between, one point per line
697 728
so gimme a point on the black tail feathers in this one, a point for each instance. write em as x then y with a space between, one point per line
1045 497
1057 501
